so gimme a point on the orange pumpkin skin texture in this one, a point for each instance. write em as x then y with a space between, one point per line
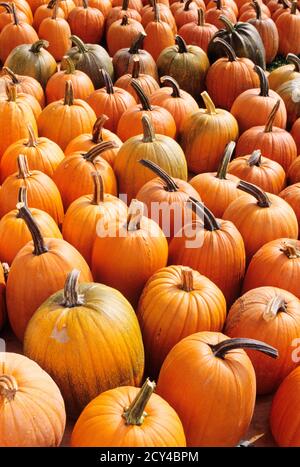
3 271
99 322
6 17
161 426
293 174
146 250
205 134
121 34
291 195
295 132
46 11
261 171
42 154
285 73
288 25
222 390
159 35
199 33
67 6
165 15
32 408
213 14
218 252
268 32
24 84
83 215
289 92
104 6
72 117
133 4
272 315
175 303
284 417
87 23
118 12
57 32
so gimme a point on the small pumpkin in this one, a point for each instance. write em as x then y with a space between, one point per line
87 23
198 33
45 11
267 30
289 30
57 32
159 35
186 14
285 73
134 4
121 34
24 84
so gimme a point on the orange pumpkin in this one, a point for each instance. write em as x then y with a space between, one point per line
118 12
294 171
57 32
87 23
295 132
198 33
267 30
285 73
134 4
288 25
6 17
46 11
4 269
159 34
104 6
165 14
213 14
121 34
292 196
67 6
24 84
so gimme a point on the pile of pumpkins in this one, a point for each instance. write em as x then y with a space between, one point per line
109 109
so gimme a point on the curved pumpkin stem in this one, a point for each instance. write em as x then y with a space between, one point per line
148 130
262 198
209 105
38 241
22 195
85 4
187 5
97 128
200 17
11 74
51 4
68 65
137 43
187 281
223 167
97 150
295 60
257 9
255 158
271 118
38 45
145 103
290 249
264 84
124 21
135 413
169 81
22 162
8 387
275 305
227 23
108 84
180 42
11 92
231 55
156 12
55 8
135 214
79 44
69 93
136 67
222 348
71 296
210 222
294 7
162 174
32 140
98 188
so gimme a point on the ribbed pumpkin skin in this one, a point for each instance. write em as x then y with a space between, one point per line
288 26
36 417
284 418
87 23
57 32
269 35
25 84
101 423
43 12
214 398
87 349
246 318
167 313
289 92
121 36
198 35
281 75
270 266
291 195
294 172
13 35
148 84
82 85
2 297
295 132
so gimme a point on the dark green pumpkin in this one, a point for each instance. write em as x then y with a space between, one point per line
90 58
243 38
187 64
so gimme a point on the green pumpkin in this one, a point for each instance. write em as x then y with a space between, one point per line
187 64
90 58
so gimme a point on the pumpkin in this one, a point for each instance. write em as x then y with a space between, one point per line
198 33
293 174
90 58
42 154
273 142
4 269
261 171
78 166
87 215
268 32
34 4
218 189
121 34
272 217
243 38
213 14
158 148
32 60
283 8
291 195
136 417
284 417
165 14
188 64
104 6
24 84
67 6
57 32
82 84
178 5
15 33
16 113
134 4
165 199
88 141
23 7
47 262
159 35
112 101
289 30
295 132
14 233
6 17
178 102
119 11
234 74
45 11
72 117
186 14
42 191
285 73
248 12
227 3
109 331
290 92
148 84
123 59
204 135
31 101
146 250
172 296
87 23
217 251
273 315
32 408
217 380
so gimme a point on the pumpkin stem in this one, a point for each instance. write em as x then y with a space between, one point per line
7 7
294 7
271 117
135 413
169 81
97 129
11 92
38 241
200 17
156 12
257 9
135 68
264 84
187 281
79 44
32 140
148 130
145 103
22 198
180 42
38 45
210 222
249 442
187 5
14 13
98 188
222 170
290 249
209 105
137 43
255 158
108 84
124 21
219 4
275 305
291 58
71 296
262 198
227 23
55 8
231 55
97 150
69 94
170 183
222 348
22 162
11 74
85 4
51 4
135 214
125 4
68 65
8 387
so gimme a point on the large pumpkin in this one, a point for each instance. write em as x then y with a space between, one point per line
87 23
267 30
80 321
121 34
288 25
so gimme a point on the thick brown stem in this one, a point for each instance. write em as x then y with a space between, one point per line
71 294
135 214
262 198
169 81
124 21
180 42
148 130
97 150
255 158
257 9
32 140
136 67
200 13
79 44
187 5
85 4
22 162
38 241
223 167
68 65
7 7
69 94
145 103
231 55
227 23
107 81
8 387
11 74
290 249
276 305
219 4
98 127
55 8
125 4
170 183
156 12
98 188
137 43
51 4
209 105
135 413
38 45
222 348
292 58
209 220
187 281
22 195
271 118
251 441
294 7
14 13
264 84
